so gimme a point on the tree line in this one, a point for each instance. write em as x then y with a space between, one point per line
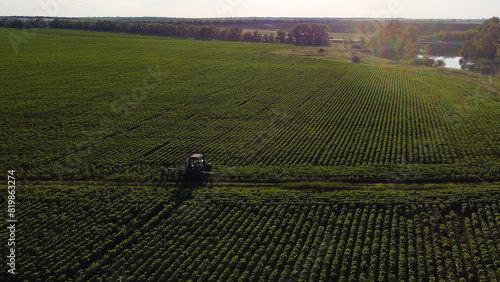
302 34
460 36
394 40
486 43
391 39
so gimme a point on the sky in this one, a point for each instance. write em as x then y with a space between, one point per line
420 9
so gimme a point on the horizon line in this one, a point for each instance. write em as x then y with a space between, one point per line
248 17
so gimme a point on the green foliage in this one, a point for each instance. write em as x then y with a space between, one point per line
73 231
311 35
446 35
281 36
79 233
440 63
362 42
484 44
394 40
131 104
497 57
429 62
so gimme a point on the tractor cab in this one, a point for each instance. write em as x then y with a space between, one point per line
197 169
197 163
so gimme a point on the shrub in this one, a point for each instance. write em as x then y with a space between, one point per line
356 59
423 62
440 63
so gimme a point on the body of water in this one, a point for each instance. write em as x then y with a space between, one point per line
449 54
451 62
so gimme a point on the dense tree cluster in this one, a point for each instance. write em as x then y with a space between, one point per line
310 35
486 44
446 35
394 40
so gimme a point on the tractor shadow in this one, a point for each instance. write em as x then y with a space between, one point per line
184 187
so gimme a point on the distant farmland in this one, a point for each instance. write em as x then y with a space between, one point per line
111 106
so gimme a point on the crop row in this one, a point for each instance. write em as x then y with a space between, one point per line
124 109
63 230
360 117
269 234
317 243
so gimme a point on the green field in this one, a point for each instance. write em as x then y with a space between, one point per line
84 105
345 233
90 118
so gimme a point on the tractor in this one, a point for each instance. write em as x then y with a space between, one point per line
196 168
